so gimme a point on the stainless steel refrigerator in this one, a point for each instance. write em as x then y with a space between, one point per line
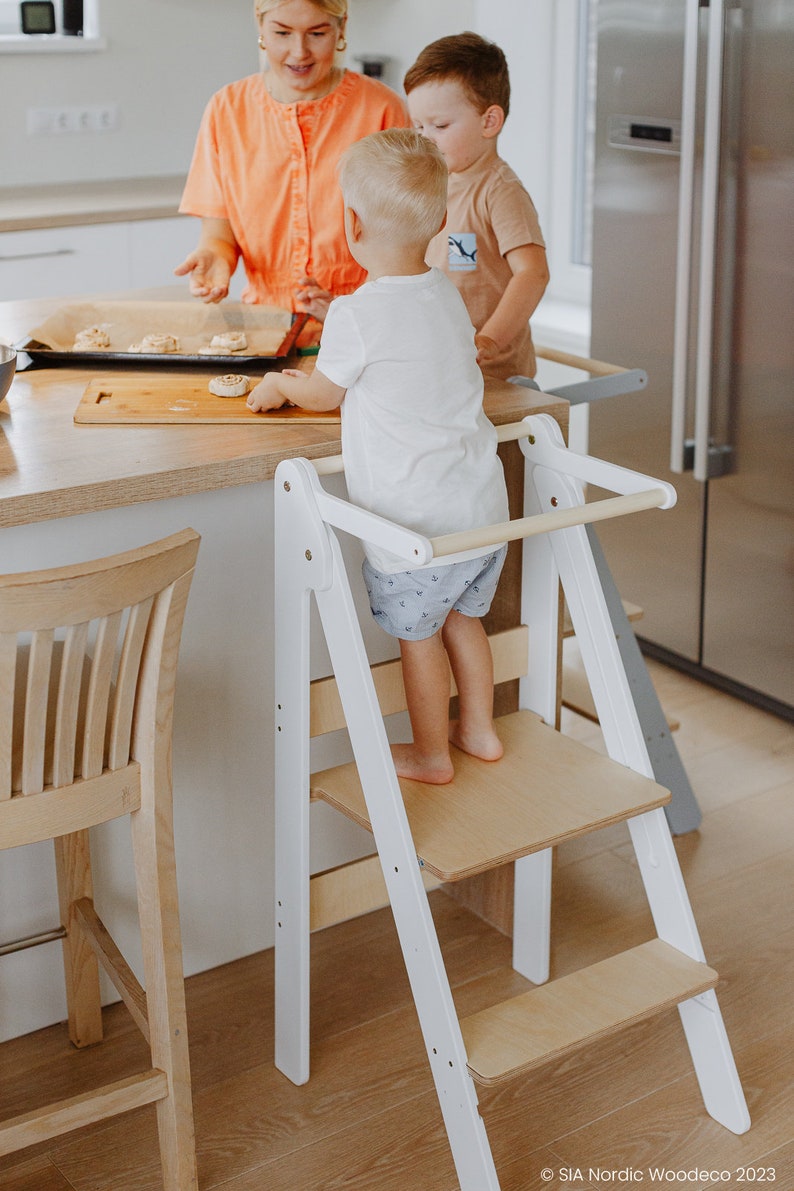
693 280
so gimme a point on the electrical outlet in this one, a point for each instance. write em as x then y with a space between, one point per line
103 117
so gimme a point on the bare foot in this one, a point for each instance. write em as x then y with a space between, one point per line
436 771
485 744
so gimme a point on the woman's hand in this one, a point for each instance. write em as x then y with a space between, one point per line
313 298
209 275
212 264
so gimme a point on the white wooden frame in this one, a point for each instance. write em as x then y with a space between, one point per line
309 561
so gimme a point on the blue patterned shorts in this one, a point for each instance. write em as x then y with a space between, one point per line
413 605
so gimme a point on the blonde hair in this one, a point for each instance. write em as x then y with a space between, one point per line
396 182
334 8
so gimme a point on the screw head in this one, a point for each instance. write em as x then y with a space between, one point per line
308 555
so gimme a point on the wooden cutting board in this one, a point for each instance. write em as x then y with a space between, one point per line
141 398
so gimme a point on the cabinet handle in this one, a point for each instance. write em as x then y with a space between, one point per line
33 256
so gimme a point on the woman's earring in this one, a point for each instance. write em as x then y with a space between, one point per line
261 43
341 45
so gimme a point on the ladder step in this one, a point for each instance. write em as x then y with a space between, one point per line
547 788
553 1019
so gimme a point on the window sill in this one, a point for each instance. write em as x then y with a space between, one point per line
49 43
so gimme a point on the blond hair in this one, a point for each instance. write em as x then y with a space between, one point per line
334 8
396 182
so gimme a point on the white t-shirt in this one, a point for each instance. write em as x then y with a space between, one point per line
417 446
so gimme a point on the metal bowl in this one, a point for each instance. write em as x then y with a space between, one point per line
8 364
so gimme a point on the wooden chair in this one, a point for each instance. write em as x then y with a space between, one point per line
546 789
88 657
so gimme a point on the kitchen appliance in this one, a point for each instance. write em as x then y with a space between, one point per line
693 280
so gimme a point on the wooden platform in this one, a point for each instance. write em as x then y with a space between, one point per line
553 1019
545 789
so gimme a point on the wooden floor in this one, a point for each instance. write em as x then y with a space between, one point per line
368 1118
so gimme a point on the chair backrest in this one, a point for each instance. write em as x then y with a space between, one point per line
87 673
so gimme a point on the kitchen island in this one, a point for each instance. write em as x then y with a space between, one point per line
70 492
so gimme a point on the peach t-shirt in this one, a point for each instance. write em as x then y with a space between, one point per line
488 213
269 168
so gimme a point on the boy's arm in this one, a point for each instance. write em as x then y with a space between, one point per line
315 392
518 302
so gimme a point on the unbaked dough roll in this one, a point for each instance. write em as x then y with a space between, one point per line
227 342
156 345
231 385
91 339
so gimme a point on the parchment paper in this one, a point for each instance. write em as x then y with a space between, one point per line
193 323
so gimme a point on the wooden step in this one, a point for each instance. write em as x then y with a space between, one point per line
554 1019
547 788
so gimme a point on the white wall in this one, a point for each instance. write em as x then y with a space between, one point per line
164 58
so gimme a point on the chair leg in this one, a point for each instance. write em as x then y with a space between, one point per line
158 908
81 970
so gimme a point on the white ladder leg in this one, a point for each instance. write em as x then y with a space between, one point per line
701 1016
299 554
661 874
424 963
540 609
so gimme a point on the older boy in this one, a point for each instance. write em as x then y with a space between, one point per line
492 247
399 357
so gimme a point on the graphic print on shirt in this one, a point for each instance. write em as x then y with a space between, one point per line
462 251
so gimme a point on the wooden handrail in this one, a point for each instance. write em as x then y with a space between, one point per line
525 527
594 367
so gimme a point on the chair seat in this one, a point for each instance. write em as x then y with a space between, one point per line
546 788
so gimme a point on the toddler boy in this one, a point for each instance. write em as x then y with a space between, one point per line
398 355
492 248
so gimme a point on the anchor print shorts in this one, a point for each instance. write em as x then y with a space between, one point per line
413 605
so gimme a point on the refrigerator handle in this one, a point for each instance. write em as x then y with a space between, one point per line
708 238
686 194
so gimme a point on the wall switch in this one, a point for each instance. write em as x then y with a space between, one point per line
101 117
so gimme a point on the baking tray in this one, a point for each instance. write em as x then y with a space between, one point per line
274 330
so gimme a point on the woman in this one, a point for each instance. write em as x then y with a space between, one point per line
263 175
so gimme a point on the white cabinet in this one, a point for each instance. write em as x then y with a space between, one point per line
102 257
157 246
49 262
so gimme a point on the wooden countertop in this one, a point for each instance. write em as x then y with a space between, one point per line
50 467
23 208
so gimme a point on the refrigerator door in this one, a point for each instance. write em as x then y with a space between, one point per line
657 561
748 620
716 575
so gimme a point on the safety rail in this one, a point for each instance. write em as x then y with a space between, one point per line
541 442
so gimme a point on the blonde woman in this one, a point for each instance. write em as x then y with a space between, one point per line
263 177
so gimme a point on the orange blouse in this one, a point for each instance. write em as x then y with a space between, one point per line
269 168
